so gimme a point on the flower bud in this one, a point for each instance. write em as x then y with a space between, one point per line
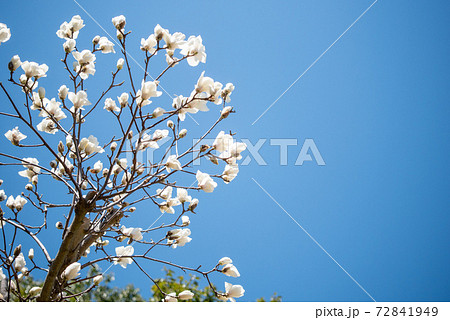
59 225
113 146
41 92
120 63
17 250
204 147
193 205
1 182
105 172
182 133
119 35
170 124
96 40
29 187
31 254
14 63
60 147
84 185
98 279
130 135
34 180
225 112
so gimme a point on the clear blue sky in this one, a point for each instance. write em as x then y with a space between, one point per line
376 105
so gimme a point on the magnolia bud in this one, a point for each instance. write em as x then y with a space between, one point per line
170 124
213 159
193 204
96 40
132 209
34 180
84 185
60 147
225 112
157 112
29 187
59 225
204 147
121 238
98 279
119 35
120 63
182 133
105 172
113 146
130 135
31 254
1 182
41 92
17 250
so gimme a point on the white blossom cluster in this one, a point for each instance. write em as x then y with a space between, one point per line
99 175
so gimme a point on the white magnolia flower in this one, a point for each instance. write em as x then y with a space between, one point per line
185 295
78 99
149 90
35 291
20 263
33 69
69 45
90 145
105 45
224 261
110 105
158 112
146 142
222 142
205 182
123 254
15 136
5 33
195 50
234 151
185 221
97 279
159 32
173 163
149 44
31 170
230 270
182 195
226 92
160 134
119 22
51 108
119 166
98 166
133 233
70 30
2 195
62 92
178 237
15 63
230 172
174 41
123 99
233 291
171 297
47 125
84 64
71 272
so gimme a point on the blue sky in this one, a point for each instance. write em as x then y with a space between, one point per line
376 105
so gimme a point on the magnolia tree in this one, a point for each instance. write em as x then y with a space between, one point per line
103 181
